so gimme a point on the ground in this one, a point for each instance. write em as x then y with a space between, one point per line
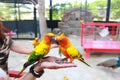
81 72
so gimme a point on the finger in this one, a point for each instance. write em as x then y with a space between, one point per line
68 65
57 66
53 65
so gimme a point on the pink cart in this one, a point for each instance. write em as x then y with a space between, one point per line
100 37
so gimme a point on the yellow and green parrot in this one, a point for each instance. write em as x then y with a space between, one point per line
39 51
68 50
66 78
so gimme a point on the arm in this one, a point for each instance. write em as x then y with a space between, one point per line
28 76
20 49
48 63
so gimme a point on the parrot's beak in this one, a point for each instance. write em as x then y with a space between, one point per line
54 41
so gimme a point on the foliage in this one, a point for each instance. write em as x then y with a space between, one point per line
114 13
58 9
6 11
95 6
115 9
9 12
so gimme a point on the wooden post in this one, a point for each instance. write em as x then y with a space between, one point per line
42 19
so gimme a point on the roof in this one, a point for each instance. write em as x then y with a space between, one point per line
20 1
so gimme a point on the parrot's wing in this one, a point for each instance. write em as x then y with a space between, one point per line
38 53
34 57
42 49
73 52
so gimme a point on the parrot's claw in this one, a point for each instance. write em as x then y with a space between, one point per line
40 61
58 62
64 60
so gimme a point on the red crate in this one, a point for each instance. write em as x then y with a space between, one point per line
92 41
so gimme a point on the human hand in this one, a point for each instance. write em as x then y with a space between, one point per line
56 63
50 63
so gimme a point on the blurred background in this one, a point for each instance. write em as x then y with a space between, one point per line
22 16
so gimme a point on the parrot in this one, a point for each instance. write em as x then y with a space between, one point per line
35 42
68 50
66 78
39 51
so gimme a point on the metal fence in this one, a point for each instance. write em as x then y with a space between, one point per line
27 29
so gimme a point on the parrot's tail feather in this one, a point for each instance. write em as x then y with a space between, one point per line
82 60
19 73
27 64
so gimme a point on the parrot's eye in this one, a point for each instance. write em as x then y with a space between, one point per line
48 36
60 40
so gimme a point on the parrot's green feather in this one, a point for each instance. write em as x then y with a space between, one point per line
20 72
34 57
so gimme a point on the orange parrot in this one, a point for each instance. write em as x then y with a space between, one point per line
68 50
